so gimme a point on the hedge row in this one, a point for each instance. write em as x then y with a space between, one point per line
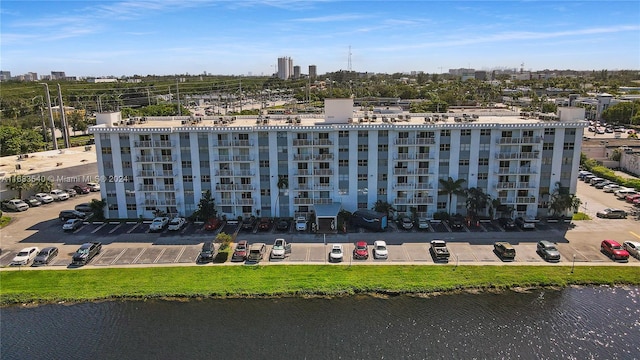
606 173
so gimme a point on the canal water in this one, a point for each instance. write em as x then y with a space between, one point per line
572 323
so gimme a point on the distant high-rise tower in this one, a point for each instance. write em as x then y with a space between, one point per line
313 71
296 72
285 67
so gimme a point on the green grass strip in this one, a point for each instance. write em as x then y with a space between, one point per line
46 286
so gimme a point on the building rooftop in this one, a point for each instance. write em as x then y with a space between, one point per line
41 162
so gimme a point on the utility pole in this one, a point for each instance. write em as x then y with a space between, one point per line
63 120
178 95
51 124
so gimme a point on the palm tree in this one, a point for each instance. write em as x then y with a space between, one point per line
476 200
383 207
283 183
19 183
561 200
42 184
451 187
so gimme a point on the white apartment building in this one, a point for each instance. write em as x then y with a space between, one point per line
345 158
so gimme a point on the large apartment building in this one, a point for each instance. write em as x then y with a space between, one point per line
286 166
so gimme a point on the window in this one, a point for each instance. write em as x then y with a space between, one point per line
445 132
566 160
507 134
362 162
205 178
383 147
126 164
186 164
343 134
483 176
463 162
571 132
265 192
484 147
362 147
363 134
568 146
106 150
204 164
483 161
187 178
549 131
445 147
465 147
383 133
403 135
264 163
343 162
485 132
382 191
184 136
362 177
547 146
131 206
442 205
465 132
125 150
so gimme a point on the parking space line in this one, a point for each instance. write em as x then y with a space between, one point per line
159 255
115 228
634 234
118 257
180 254
133 228
98 228
135 260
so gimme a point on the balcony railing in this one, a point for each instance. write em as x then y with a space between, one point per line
323 157
514 185
302 142
521 170
244 202
163 143
518 155
142 143
322 172
302 157
323 186
233 143
518 200
303 172
415 141
157 188
520 140
404 186
423 156
146 173
234 187
423 171
423 200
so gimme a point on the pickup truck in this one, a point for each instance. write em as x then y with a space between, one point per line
280 249
439 250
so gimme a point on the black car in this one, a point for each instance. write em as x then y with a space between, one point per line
81 189
84 207
45 256
85 253
248 224
283 225
32 202
456 223
207 252
71 214
507 223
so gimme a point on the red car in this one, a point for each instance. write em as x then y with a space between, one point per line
361 251
81 189
212 224
264 224
241 251
614 250
632 198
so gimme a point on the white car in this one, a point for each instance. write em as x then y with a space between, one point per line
380 250
301 224
43 198
159 223
59 195
633 248
280 249
25 256
177 223
72 224
16 204
611 188
423 223
93 187
336 253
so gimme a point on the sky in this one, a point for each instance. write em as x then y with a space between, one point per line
242 37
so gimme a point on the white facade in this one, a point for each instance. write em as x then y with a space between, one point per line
167 163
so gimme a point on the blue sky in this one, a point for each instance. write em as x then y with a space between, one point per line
100 38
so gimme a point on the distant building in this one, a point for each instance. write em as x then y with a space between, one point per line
285 68
58 75
313 71
101 80
5 75
296 72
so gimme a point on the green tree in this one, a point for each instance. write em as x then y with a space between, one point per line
97 208
561 200
42 184
206 207
451 187
623 113
283 183
224 240
19 183
15 141
383 207
477 200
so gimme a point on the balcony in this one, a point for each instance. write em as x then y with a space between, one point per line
404 156
323 157
516 171
518 155
163 143
303 187
423 156
244 202
234 187
518 200
514 185
146 173
301 157
415 141
157 188
423 200
233 143
323 186
165 158
167 202
302 201
226 158
145 144
404 186
424 186
225 201
322 172
302 142
402 171
519 140
423 171
145 158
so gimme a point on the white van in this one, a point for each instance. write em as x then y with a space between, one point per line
622 193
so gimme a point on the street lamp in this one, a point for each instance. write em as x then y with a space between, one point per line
573 265
44 127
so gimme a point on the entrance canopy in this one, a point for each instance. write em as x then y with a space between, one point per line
327 217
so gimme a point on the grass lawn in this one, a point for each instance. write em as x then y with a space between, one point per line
42 286
4 221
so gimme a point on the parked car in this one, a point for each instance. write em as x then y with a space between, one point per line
176 223
525 224
504 250
632 198
256 252
280 249
611 188
212 224
405 223
81 189
32 202
72 224
423 224
602 184
548 250
439 250
336 253
633 248
264 224
207 252
59 195
43 198
380 250
240 252
612 214
507 223
84 207
71 192
15 205
93 187
65 215
85 253
623 193
361 251
283 225
248 224
301 223
25 256
596 180
45 256
614 250
456 222
583 173
159 223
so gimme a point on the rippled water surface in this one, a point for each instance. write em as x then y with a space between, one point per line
574 323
